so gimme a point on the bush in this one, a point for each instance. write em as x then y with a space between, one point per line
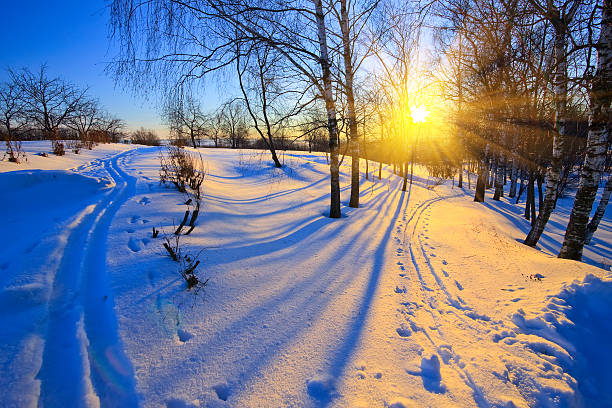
182 169
14 151
58 148
145 137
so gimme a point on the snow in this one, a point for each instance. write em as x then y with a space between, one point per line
422 298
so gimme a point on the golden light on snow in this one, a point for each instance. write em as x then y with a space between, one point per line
419 114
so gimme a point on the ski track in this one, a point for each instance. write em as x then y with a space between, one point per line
434 317
83 362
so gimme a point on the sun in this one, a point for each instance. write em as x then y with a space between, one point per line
418 114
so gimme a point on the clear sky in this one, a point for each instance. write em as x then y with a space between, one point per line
71 37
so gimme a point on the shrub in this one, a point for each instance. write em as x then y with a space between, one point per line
14 151
58 148
145 137
182 169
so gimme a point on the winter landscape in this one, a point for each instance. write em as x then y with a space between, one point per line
308 204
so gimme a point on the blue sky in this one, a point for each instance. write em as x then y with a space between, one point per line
71 37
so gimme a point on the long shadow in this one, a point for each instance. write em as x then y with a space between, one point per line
343 354
552 238
297 296
262 197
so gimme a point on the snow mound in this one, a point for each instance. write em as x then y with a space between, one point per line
574 332
321 387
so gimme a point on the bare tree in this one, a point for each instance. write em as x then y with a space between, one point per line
110 127
234 123
184 116
49 102
272 95
85 117
13 120
352 17
213 126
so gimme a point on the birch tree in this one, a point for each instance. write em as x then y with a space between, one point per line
600 96
560 17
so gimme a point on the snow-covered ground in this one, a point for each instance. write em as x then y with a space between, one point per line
422 298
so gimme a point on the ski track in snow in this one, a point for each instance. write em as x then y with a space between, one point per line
82 359
432 304
438 311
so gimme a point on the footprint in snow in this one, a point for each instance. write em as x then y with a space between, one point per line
183 335
404 330
444 262
400 290
430 373
445 273
134 244
144 201
321 387
130 230
134 219
222 390
458 285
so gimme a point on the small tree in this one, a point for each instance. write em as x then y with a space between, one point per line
13 120
185 118
85 118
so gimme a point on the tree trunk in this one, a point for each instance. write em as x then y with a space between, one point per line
479 194
412 166
530 202
540 181
350 104
499 180
491 174
468 176
599 213
513 177
380 170
192 138
596 145
405 175
560 101
330 108
521 188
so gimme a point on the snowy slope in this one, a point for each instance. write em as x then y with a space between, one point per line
421 298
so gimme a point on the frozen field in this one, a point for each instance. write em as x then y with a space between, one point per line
422 298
